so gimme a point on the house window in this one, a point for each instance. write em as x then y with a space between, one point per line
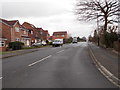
41 33
2 43
16 29
31 32
25 32
63 35
17 39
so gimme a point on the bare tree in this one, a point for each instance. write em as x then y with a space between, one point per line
112 29
106 11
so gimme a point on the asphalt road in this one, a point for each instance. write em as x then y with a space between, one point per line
69 66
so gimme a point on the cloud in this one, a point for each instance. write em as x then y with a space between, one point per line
52 15
35 9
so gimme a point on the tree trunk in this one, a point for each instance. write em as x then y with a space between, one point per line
105 30
105 25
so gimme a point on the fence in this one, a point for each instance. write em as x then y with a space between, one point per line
116 46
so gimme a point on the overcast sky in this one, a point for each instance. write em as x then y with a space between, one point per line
51 15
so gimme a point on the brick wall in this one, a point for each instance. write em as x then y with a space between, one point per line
6 32
59 37
16 35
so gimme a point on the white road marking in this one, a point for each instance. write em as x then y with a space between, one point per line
54 48
39 61
60 51
0 78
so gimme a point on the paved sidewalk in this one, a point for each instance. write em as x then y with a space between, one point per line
18 52
107 58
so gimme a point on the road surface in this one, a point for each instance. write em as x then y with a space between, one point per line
69 66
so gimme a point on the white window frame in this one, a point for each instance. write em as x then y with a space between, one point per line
31 32
17 39
25 32
2 42
17 29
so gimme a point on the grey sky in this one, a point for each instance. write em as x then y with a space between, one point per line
51 15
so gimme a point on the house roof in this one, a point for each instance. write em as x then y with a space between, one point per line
60 33
46 31
24 28
40 29
11 23
28 25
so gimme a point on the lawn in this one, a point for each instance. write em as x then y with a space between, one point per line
7 52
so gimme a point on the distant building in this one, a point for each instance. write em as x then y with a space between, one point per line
60 35
44 34
50 38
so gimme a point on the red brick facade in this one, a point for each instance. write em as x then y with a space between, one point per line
60 35
25 37
16 32
44 34
11 31
5 35
33 32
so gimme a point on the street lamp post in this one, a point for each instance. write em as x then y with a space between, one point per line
98 38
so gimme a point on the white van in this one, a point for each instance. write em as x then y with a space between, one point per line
74 40
57 42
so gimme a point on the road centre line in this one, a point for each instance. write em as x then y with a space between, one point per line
39 61
60 51
42 59
0 78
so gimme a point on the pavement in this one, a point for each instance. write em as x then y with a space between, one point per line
69 66
107 61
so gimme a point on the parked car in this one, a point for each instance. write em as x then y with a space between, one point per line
44 43
37 44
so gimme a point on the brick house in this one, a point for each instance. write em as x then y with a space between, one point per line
40 31
60 35
10 32
44 34
33 32
5 35
15 33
